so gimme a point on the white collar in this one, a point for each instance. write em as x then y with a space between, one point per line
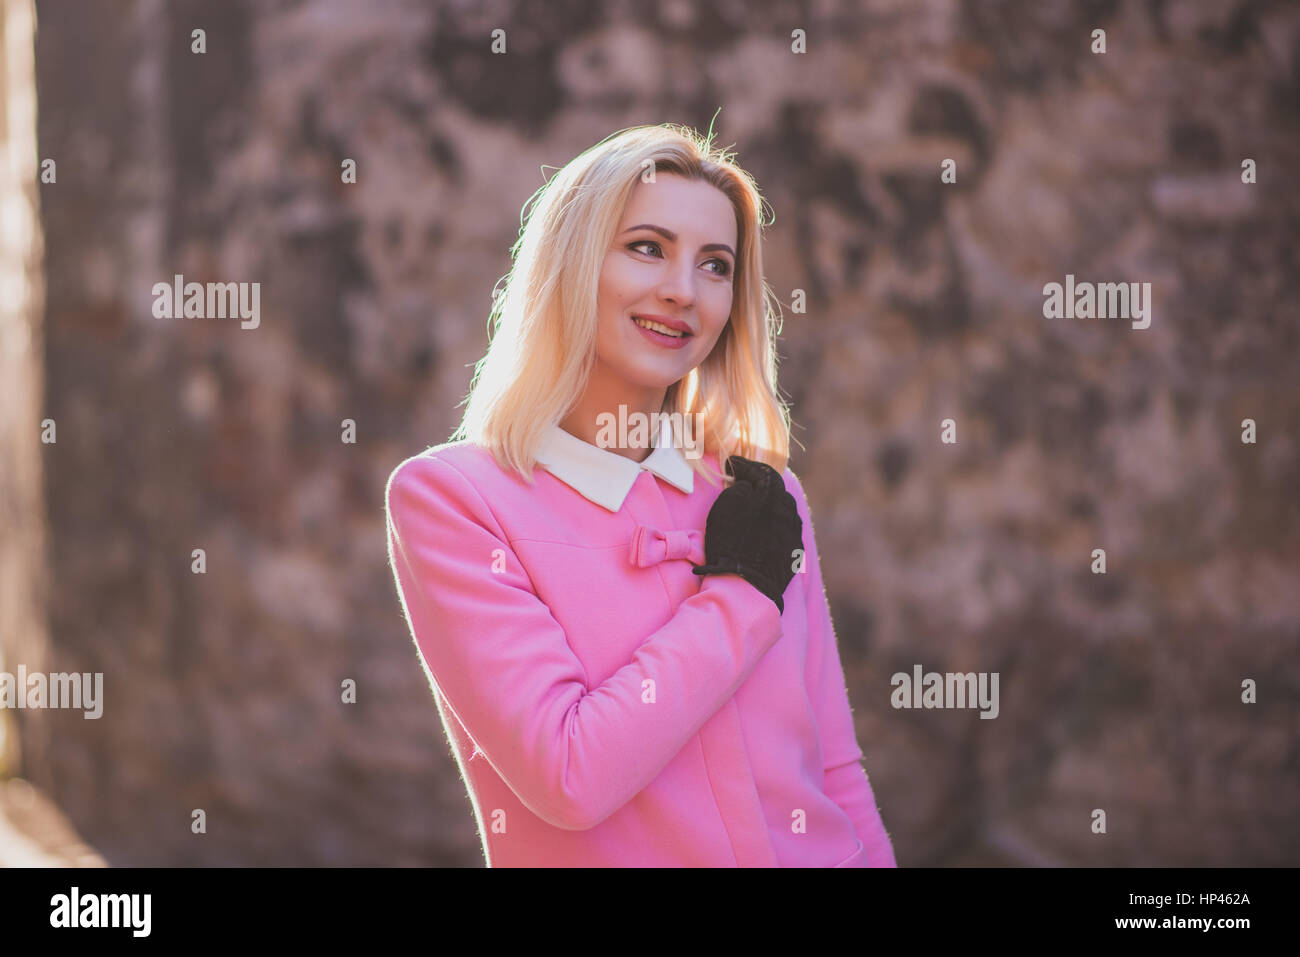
606 477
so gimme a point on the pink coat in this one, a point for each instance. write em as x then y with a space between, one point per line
606 706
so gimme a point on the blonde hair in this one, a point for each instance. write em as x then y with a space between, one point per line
543 339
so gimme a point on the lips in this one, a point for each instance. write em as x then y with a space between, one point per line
666 326
661 339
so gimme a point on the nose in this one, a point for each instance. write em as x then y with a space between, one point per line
678 285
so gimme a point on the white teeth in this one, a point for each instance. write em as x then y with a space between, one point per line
658 327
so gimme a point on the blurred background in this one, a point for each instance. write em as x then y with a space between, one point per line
222 691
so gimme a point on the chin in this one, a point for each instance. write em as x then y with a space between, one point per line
657 379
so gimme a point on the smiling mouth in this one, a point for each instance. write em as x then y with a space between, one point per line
660 328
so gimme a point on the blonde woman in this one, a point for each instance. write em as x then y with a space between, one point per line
628 641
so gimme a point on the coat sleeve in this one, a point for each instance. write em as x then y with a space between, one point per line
846 783
573 755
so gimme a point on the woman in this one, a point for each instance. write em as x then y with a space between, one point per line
632 657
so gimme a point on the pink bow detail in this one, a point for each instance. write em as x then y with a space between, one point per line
651 546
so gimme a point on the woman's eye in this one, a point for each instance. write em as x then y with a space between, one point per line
726 267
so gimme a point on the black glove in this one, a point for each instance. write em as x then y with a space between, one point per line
753 530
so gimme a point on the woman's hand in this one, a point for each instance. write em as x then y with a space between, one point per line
753 530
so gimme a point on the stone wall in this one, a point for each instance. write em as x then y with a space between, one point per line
24 580
925 299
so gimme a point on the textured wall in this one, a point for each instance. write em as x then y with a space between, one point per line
1119 691
23 574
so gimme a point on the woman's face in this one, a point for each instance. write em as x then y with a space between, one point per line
672 261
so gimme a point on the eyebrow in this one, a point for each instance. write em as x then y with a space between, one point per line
671 236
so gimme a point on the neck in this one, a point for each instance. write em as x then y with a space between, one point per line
584 420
